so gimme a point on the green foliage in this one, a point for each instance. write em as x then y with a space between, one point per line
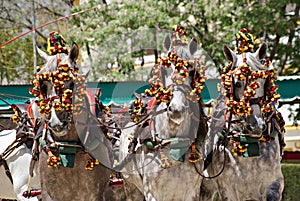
16 58
291 173
16 61
106 30
213 23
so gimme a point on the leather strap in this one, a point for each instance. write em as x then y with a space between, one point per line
7 171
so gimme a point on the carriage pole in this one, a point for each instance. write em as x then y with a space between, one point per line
46 24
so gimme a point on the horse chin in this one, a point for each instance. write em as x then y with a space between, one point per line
60 131
257 131
176 121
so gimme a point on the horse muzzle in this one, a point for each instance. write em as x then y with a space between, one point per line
59 130
176 115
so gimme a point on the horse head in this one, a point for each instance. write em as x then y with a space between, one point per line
246 82
56 82
178 106
180 90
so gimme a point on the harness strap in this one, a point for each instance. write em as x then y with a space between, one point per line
7 171
30 115
151 104
92 101
254 101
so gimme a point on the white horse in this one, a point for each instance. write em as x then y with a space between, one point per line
160 168
248 167
62 134
15 164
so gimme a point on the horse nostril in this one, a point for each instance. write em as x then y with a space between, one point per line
57 128
249 128
170 109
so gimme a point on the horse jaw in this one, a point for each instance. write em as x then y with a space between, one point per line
175 120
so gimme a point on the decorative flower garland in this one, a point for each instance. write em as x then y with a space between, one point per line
237 148
242 107
163 94
56 44
179 36
244 41
58 78
16 118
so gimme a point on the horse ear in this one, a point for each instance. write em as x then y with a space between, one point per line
193 46
74 52
86 74
43 54
167 42
229 54
261 52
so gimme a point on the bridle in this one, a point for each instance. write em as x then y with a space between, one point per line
233 109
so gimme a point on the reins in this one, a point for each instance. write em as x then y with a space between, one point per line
142 120
224 151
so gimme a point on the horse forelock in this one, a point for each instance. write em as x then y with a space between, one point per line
251 61
182 51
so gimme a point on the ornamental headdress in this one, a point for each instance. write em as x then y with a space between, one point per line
242 107
244 41
56 44
179 36
59 77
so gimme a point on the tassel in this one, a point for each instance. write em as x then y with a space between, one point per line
115 180
52 161
90 162
195 156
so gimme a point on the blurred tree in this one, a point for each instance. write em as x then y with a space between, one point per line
126 27
213 23
16 58
16 63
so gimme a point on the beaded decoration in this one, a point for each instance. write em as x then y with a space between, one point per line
163 94
56 44
242 107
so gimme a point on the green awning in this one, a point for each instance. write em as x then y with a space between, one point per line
121 92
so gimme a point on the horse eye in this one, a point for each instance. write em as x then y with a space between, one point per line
238 85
